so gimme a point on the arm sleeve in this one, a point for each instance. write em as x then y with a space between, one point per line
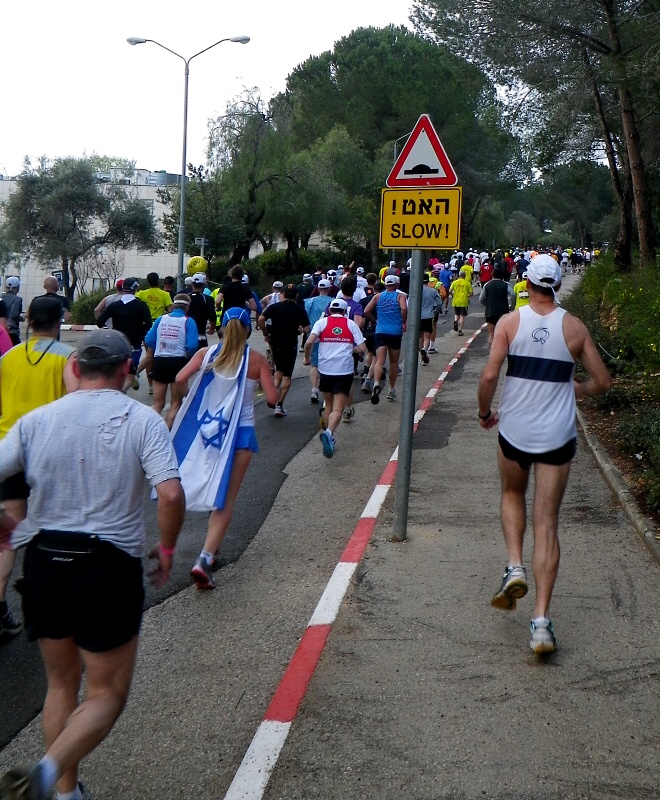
191 336
158 458
150 338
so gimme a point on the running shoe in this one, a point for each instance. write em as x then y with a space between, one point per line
136 384
8 625
455 325
314 396
514 586
22 783
432 349
328 443
424 355
460 333
375 394
279 411
391 395
367 385
202 575
347 414
542 636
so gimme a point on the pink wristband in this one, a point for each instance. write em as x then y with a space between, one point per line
167 551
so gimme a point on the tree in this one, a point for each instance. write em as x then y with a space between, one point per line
339 90
59 213
561 44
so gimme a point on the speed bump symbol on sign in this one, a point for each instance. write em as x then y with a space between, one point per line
421 218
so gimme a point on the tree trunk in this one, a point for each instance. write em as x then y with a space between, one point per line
622 247
641 195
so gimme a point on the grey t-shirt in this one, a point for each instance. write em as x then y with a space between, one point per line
85 458
430 301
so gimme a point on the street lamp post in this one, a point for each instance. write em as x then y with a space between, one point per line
182 225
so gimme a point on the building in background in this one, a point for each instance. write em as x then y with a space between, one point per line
100 270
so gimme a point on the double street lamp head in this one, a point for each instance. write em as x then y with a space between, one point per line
139 40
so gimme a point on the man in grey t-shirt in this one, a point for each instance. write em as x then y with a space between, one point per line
83 591
430 303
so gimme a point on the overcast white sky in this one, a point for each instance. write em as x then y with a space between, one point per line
71 85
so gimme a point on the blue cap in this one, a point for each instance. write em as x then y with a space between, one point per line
241 314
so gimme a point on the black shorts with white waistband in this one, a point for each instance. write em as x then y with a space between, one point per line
562 455
81 587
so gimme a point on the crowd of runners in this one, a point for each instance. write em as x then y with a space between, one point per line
349 323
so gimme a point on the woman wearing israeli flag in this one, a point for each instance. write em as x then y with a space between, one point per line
213 433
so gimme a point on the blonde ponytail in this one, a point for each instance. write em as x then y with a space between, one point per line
229 358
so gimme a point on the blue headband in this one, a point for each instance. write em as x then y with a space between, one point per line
241 314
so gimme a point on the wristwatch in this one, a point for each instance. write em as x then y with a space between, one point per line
485 416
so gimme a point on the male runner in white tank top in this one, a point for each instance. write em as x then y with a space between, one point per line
536 416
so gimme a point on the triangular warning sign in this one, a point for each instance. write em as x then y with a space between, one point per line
423 161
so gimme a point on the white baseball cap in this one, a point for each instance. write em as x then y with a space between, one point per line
277 285
392 263
245 279
188 280
360 270
307 277
199 277
338 304
390 280
544 271
323 284
13 282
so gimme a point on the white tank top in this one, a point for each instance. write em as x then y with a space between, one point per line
171 336
537 406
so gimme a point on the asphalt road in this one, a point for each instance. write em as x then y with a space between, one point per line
22 680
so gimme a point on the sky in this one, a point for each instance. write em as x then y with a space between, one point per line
73 86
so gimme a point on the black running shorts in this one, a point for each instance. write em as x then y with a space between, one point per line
77 586
166 368
390 340
562 455
335 384
14 488
285 359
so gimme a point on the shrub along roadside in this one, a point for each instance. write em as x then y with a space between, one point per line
622 313
82 309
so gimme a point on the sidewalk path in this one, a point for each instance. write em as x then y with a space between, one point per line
422 691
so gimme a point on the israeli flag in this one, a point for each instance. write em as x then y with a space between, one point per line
204 433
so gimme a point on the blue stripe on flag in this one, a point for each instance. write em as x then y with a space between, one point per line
221 494
189 425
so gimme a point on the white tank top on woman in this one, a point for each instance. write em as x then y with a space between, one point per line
537 406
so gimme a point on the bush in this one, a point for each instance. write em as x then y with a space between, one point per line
622 313
640 437
82 309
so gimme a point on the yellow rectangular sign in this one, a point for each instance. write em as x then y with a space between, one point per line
423 219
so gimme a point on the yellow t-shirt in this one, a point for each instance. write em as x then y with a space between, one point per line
157 299
521 293
31 376
461 290
468 272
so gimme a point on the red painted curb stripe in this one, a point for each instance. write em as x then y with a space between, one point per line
426 403
292 688
389 473
359 540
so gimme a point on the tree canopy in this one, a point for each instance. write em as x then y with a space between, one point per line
581 76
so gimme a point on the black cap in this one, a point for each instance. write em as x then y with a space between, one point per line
104 346
45 311
130 284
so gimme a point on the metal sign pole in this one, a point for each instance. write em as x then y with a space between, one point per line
409 396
